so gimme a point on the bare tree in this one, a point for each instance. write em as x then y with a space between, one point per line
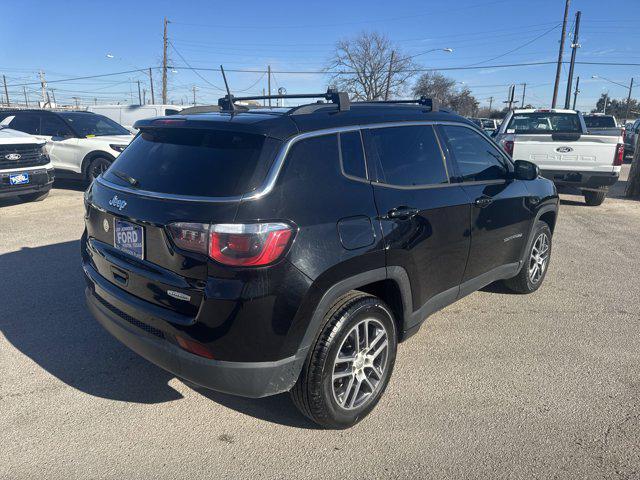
443 89
364 64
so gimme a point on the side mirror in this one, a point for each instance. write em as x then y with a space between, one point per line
525 170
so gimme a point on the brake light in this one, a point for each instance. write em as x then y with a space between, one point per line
619 157
507 145
169 121
234 244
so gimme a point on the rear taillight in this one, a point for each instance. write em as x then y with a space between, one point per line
619 158
234 244
507 145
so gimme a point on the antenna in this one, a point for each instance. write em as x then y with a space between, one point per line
226 103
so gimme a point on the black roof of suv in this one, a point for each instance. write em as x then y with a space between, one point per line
261 251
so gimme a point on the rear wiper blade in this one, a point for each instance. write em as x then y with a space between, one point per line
123 176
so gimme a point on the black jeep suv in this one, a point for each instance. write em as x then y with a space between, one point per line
260 251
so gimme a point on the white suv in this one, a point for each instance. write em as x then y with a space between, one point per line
25 168
79 143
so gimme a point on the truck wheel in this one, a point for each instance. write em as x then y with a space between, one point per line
349 367
96 167
532 273
593 199
34 197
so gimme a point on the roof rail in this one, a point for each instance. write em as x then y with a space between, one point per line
227 103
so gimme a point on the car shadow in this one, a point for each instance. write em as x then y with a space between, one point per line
43 289
76 185
45 318
275 409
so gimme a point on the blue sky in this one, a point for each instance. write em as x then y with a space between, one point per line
74 40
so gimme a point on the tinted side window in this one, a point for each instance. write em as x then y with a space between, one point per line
408 156
476 158
26 122
352 155
53 126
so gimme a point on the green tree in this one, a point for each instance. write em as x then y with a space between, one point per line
443 89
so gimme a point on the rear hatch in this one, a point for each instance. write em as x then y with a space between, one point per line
567 152
168 175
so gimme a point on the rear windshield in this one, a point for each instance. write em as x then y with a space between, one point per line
193 162
544 122
600 122
488 124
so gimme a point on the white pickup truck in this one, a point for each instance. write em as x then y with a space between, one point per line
559 143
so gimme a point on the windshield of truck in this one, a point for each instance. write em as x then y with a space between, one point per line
93 125
599 121
544 122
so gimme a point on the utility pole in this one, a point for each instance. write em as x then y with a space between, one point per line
626 115
386 93
574 48
194 95
524 90
490 103
76 99
144 96
269 83
53 94
26 99
575 94
95 100
139 95
48 100
6 92
559 67
164 63
43 84
153 98
510 96
606 99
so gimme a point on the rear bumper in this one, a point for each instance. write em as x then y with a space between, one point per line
579 179
108 305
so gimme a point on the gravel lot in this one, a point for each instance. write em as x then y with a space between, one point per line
495 386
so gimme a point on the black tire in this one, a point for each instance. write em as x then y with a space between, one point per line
315 391
593 199
34 197
97 166
524 282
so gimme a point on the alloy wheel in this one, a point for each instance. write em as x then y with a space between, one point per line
360 364
539 258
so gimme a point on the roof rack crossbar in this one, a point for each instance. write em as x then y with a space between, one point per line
425 101
340 98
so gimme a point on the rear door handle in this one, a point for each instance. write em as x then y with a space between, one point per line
403 212
483 201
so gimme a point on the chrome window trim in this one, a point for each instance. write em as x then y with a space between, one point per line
274 172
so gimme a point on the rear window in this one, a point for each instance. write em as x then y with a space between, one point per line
600 122
544 122
194 162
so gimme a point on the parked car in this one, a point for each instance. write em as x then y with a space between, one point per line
559 143
489 125
631 137
78 143
293 249
25 168
601 124
127 115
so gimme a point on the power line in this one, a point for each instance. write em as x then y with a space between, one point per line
518 48
193 69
